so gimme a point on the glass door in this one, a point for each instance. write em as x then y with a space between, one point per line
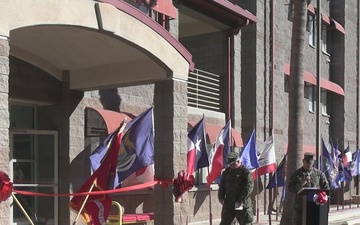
33 166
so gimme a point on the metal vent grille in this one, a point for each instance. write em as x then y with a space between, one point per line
204 90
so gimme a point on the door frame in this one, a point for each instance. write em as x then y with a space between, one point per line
56 167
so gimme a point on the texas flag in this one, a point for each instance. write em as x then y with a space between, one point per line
197 156
218 154
267 161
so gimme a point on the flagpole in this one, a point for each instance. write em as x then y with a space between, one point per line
22 209
83 204
350 193
276 195
210 216
257 196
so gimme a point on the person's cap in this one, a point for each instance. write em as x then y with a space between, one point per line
309 157
231 158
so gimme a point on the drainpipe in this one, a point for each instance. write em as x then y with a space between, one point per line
358 90
230 45
358 79
272 63
318 87
272 192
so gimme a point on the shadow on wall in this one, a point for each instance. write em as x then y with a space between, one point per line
80 169
200 197
110 99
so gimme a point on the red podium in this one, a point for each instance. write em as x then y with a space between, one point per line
313 214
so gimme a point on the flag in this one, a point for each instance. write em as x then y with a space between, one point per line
278 179
334 153
197 156
97 207
248 155
218 153
136 151
98 154
329 168
355 167
267 161
137 148
143 175
347 158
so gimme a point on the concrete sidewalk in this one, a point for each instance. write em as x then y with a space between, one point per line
337 216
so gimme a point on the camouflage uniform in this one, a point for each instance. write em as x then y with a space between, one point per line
317 180
236 186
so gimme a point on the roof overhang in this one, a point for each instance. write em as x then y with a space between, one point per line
324 83
223 11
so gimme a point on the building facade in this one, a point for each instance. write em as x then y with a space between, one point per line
70 69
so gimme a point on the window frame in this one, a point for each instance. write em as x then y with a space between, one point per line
311 29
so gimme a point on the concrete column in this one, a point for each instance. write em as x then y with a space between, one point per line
71 146
170 117
5 120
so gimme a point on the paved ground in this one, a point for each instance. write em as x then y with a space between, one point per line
337 216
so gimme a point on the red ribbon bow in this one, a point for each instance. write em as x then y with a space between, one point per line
182 183
321 198
5 187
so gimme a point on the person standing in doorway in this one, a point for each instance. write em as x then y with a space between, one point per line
234 192
307 176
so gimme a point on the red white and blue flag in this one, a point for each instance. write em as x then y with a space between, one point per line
347 157
197 156
218 154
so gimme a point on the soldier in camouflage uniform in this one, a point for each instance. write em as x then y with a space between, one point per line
306 176
234 192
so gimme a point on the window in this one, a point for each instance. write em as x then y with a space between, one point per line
204 90
290 11
325 39
311 29
324 103
286 83
310 93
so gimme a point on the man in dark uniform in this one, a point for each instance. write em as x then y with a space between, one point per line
234 192
306 176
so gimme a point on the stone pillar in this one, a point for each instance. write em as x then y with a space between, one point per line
71 146
5 120
170 118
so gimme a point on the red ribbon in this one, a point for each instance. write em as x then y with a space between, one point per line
164 183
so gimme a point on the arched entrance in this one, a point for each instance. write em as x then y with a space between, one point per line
81 46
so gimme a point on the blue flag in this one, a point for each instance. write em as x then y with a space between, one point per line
329 168
137 147
355 165
278 179
97 157
248 155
